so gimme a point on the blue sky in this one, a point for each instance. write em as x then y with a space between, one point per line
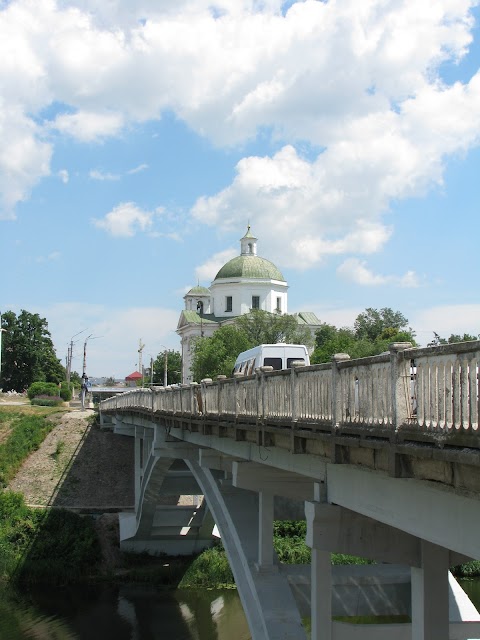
140 138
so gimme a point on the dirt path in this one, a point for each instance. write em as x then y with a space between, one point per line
78 466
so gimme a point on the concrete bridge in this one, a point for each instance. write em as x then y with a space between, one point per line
381 457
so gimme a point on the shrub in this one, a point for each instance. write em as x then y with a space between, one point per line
66 391
42 389
47 401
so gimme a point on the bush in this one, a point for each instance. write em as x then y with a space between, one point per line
47 401
42 389
66 391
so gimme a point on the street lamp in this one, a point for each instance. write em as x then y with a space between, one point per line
84 374
1 331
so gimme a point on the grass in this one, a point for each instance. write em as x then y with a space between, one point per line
39 546
25 433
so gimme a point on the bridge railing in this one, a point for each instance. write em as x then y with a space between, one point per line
433 390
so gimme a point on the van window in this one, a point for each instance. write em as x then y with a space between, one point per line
290 360
276 363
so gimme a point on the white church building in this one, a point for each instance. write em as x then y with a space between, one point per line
244 283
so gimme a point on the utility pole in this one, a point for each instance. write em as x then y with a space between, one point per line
1 331
165 377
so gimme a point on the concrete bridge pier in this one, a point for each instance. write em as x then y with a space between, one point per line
430 594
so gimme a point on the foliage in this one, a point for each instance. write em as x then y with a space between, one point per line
26 434
209 569
372 334
76 379
174 367
216 355
42 389
47 401
467 570
54 547
262 327
66 390
110 381
454 338
372 323
28 352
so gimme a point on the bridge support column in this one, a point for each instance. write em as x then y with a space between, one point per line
321 595
430 594
265 530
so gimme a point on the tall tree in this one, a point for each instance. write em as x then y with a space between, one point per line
262 327
216 355
372 334
372 322
28 353
173 360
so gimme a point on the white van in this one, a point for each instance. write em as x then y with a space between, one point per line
279 356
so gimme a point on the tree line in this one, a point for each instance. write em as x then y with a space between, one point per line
28 354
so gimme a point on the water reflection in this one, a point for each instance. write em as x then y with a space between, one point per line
126 612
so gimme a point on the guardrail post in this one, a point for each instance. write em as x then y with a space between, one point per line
294 404
205 409
237 376
401 397
337 402
261 402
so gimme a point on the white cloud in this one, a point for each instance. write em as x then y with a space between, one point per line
64 176
125 220
357 271
95 174
113 347
445 320
356 79
24 158
141 167
209 269
89 126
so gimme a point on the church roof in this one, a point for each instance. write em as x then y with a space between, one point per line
250 266
196 318
199 291
308 317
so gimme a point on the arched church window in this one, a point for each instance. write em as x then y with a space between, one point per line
200 306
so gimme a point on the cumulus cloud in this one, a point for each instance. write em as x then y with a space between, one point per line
357 271
125 220
207 271
88 126
357 82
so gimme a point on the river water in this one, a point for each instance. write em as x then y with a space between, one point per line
130 612
125 612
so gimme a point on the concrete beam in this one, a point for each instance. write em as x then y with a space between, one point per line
336 529
209 459
257 477
422 509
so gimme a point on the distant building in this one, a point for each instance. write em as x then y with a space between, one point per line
131 380
244 283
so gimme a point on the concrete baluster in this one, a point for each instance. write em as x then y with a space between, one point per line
400 380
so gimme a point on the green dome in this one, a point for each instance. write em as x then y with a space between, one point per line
199 291
250 267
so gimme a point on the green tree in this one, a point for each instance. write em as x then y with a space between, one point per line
216 355
262 327
28 353
372 334
373 322
174 367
